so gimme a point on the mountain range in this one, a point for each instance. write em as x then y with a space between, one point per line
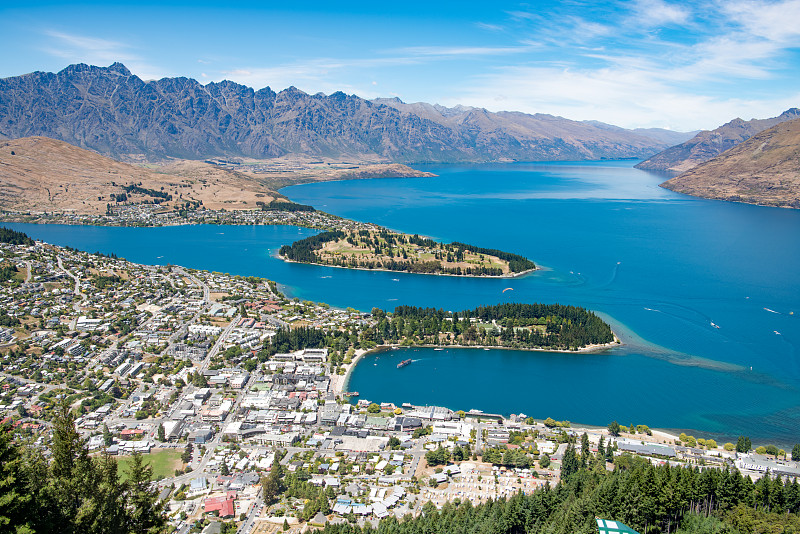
115 113
765 169
711 143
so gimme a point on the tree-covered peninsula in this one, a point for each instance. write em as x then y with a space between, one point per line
519 326
378 248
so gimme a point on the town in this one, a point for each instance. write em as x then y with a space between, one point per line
236 397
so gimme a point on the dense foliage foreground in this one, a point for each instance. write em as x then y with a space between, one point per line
70 492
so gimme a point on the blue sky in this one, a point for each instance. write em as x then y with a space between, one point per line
635 63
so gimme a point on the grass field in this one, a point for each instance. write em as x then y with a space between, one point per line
164 463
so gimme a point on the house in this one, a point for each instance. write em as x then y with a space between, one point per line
225 505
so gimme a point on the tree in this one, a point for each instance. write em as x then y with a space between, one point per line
147 511
544 461
373 408
570 463
271 484
743 444
161 434
796 453
550 422
613 428
108 439
584 449
15 498
438 457
761 450
186 457
70 472
223 470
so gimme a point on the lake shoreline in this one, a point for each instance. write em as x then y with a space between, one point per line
342 386
503 276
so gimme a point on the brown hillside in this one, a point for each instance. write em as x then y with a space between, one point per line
764 170
41 174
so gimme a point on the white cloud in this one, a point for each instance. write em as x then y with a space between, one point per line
626 97
774 21
489 27
98 51
659 13
91 50
443 51
625 70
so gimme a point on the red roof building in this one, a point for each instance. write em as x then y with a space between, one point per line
224 504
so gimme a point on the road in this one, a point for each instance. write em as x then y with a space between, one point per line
255 511
77 290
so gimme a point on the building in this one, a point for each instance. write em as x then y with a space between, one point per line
225 505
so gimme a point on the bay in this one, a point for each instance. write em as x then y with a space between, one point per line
665 269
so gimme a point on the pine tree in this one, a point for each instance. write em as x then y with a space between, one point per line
107 437
71 479
15 500
105 512
570 463
146 511
796 453
584 449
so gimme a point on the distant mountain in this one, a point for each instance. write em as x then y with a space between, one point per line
708 144
765 170
111 111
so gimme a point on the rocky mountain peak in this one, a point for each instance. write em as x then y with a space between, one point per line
111 111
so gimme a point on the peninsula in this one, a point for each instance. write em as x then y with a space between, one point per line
374 247
519 326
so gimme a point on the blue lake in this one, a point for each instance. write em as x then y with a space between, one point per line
701 292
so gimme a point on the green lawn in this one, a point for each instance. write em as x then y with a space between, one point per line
164 463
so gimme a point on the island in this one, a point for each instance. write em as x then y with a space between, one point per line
374 247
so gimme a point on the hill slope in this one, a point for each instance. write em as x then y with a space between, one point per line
115 113
42 174
765 170
708 144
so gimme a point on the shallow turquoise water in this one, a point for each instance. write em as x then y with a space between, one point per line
661 265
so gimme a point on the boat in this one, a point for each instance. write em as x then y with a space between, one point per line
438 348
351 394
403 363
